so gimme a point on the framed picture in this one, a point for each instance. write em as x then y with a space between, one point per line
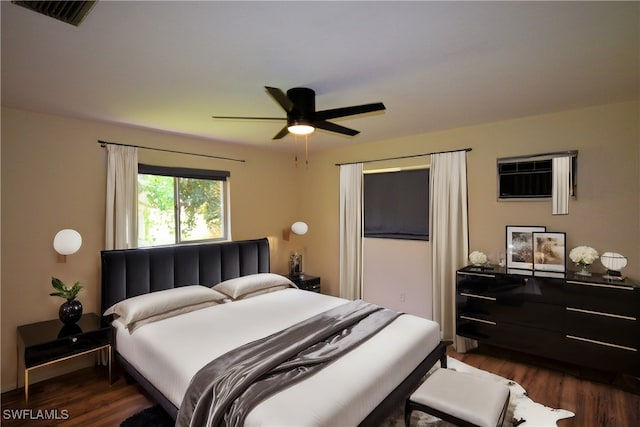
520 246
549 251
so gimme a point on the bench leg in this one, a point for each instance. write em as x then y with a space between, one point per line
443 361
443 358
407 414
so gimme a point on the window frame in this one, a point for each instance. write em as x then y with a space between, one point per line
203 174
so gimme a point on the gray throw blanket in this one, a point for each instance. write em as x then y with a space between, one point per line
225 390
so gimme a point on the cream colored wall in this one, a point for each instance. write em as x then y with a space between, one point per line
397 275
605 214
54 177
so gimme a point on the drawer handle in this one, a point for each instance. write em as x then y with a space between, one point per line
599 313
74 339
600 285
473 319
464 273
606 344
477 296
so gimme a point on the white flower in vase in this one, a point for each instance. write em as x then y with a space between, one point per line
583 257
477 258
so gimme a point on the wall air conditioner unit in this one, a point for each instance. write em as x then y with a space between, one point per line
531 177
71 12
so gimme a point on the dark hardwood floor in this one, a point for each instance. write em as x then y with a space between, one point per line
596 399
85 398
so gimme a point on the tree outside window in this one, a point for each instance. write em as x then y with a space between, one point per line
178 209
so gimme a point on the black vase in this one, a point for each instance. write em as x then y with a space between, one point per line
70 312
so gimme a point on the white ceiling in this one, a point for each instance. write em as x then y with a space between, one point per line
436 65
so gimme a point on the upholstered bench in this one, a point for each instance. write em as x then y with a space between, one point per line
460 398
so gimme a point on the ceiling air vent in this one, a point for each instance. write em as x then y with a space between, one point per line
71 12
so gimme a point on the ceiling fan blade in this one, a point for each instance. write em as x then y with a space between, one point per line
280 98
349 111
247 118
332 127
283 132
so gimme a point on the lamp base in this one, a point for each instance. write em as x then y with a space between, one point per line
295 264
613 275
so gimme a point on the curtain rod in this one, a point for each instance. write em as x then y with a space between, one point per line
103 143
403 157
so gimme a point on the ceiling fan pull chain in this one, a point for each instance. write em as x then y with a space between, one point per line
306 151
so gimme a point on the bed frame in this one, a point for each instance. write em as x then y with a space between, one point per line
131 272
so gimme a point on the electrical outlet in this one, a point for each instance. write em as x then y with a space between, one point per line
402 296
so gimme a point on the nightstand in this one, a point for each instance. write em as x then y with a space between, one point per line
306 282
45 343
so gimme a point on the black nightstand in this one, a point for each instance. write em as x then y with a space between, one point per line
306 282
45 343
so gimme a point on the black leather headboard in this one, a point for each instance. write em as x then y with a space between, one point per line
131 272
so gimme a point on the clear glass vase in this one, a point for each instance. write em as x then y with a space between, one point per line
584 270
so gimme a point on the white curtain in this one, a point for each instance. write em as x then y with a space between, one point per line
561 170
351 231
449 237
121 231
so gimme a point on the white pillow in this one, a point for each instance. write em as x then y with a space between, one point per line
253 284
144 306
135 325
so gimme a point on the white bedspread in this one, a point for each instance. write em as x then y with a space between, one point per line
169 352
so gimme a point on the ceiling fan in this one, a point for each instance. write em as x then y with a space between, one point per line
302 117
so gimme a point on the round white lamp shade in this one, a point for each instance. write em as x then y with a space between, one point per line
299 228
613 261
67 241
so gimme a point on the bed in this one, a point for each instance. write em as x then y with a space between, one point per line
164 354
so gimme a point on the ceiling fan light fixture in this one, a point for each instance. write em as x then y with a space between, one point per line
302 117
300 129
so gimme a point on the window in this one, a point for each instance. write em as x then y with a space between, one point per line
179 205
396 204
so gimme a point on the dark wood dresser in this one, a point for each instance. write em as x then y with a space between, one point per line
586 321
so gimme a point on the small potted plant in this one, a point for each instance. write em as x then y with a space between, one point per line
71 310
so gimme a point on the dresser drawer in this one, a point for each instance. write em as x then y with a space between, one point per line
66 346
515 337
511 308
476 327
607 298
488 283
511 288
601 355
603 327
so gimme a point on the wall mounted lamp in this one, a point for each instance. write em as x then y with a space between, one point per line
66 242
298 228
